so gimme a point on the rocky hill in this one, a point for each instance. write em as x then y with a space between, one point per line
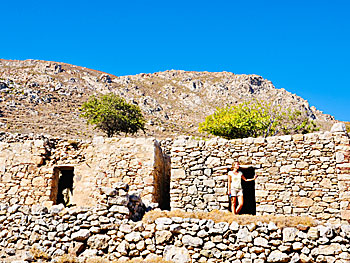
45 97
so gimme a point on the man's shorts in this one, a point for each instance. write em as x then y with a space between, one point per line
236 192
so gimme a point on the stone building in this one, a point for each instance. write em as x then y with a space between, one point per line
39 170
307 175
297 175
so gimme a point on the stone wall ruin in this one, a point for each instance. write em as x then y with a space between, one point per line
30 168
107 230
306 175
297 175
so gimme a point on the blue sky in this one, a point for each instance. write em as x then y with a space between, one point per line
302 46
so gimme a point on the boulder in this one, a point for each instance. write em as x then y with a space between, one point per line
163 236
55 209
188 240
123 248
163 221
244 235
278 256
332 249
98 241
176 254
289 234
338 127
133 237
261 242
81 235
313 233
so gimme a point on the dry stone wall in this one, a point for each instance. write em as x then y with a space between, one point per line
30 165
111 230
297 175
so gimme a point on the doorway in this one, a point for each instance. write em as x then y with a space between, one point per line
65 176
249 204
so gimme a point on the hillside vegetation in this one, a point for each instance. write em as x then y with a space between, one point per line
45 97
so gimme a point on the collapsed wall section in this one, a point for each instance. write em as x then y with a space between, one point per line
297 175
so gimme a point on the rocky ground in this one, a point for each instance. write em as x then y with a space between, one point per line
107 231
45 97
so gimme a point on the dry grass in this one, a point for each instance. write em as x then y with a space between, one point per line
155 260
73 259
225 216
67 259
98 260
38 254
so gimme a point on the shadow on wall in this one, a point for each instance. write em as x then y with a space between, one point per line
164 203
162 179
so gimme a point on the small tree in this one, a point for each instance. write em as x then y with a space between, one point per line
255 118
113 115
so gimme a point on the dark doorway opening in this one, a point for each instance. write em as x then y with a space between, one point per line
249 203
163 184
65 186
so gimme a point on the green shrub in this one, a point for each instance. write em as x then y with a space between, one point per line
347 125
113 115
256 118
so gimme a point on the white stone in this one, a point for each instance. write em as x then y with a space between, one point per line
188 240
272 226
287 168
133 237
55 209
278 256
163 236
338 127
163 221
285 138
244 235
192 190
81 235
333 249
98 241
266 208
123 248
213 162
176 254
339 157
297 246
261 242
289 234
108 191
178 174
315 153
